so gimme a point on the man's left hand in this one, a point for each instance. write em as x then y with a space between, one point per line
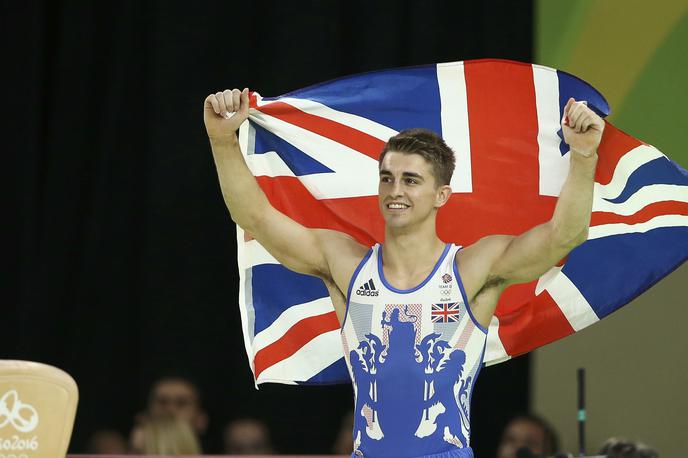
582 128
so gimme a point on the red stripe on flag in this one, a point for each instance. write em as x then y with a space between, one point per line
358 217
504 157
296 337
353 138
524 326
614 145
647 213
501 108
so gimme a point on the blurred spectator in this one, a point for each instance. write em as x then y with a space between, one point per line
107 442
179 398
528 431
164 436
623 448
343 444
247 436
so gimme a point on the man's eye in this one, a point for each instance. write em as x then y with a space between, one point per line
411 181
385 179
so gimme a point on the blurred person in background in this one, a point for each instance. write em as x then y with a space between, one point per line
344 444
180 398
247 436
530 432
622 448
107 442
169 436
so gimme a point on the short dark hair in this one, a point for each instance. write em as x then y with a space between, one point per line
427 144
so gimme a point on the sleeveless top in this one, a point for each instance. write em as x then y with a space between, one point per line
413 356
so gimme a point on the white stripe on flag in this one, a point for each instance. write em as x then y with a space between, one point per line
642 198
268 164
628 164
494 350
245 301
568 298
553 166
289 318
355 173
368 126
256 254
455 127
606 230
308 361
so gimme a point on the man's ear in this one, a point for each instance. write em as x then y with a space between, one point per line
444 192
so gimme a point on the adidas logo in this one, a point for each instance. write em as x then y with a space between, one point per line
367 289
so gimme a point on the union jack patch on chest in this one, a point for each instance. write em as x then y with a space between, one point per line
445 313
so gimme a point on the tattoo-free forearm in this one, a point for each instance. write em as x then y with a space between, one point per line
571 218
242 195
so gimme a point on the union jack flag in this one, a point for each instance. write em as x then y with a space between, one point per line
444 313
314 152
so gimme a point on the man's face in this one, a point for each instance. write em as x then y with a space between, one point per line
177 398
521 433
407 191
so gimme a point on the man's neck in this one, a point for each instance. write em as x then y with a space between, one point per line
410 253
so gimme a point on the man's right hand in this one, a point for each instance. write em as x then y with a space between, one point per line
217 109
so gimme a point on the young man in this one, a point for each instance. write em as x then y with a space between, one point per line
413 343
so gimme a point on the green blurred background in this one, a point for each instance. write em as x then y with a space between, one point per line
636 54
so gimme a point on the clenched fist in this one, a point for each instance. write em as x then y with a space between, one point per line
582 128
218 109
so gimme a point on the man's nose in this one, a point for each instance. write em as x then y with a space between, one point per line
397 189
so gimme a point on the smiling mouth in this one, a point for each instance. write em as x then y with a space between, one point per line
397 206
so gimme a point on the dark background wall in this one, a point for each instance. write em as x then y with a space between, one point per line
121 261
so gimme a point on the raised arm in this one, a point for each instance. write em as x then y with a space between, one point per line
497 261
304 250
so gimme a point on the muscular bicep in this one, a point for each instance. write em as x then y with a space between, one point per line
526 257
494 262
318 252
295 246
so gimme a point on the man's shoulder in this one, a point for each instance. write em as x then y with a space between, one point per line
340 245
343 254
475 262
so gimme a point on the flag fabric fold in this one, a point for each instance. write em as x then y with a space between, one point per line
314 153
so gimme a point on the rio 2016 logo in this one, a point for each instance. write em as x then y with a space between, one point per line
23 417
